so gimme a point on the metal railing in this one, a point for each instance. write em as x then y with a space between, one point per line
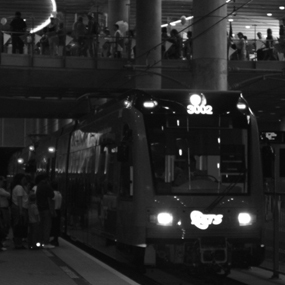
92 46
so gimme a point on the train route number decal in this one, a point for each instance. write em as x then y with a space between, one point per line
205 110
202 221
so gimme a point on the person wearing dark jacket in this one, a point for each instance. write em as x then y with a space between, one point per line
18 27
44 195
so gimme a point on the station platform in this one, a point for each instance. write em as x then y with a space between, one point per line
63 265
256 276
69 265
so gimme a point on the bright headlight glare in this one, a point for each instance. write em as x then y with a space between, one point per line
244 219
149 104
164 219
241 106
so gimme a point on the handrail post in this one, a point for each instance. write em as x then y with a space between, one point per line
1 46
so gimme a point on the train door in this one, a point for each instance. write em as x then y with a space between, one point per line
108 177
273 154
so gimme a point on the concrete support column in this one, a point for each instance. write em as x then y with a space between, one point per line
37 126
118 10
148 36
43 127
282 124
52 125
63 122
210 45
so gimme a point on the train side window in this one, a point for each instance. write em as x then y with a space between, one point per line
107 169
97 158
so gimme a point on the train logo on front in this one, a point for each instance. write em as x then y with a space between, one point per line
202 221
198 105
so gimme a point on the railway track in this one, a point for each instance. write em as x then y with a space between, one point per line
164 275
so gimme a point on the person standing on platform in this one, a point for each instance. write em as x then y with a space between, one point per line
45 205
19 209
119 42
52 36
5 216
34 219
56 220
175 50
164 38
241 47
269 50
79 34
92 35
61 34
18 27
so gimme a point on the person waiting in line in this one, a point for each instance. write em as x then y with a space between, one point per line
44 196
174 52
19 210
30 184
34 219
56 220
4 212
18 27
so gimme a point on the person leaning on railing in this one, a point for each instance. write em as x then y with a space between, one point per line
269 51
18 27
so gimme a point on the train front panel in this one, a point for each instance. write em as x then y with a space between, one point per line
206 205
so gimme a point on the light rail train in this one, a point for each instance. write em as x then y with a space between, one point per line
169 176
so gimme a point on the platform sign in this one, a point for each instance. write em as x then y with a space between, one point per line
273 137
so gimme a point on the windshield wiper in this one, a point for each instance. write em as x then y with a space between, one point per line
213 205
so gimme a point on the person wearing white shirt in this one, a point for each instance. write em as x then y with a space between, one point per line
19 209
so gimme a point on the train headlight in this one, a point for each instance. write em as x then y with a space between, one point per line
150 104
164 219
245 219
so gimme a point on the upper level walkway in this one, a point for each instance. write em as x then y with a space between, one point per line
34 75
72 76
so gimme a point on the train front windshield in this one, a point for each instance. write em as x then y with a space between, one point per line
201 155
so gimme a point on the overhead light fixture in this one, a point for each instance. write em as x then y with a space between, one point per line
31 147
281 7
230 19
269 14
47 22
51 149
176 22
247 27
